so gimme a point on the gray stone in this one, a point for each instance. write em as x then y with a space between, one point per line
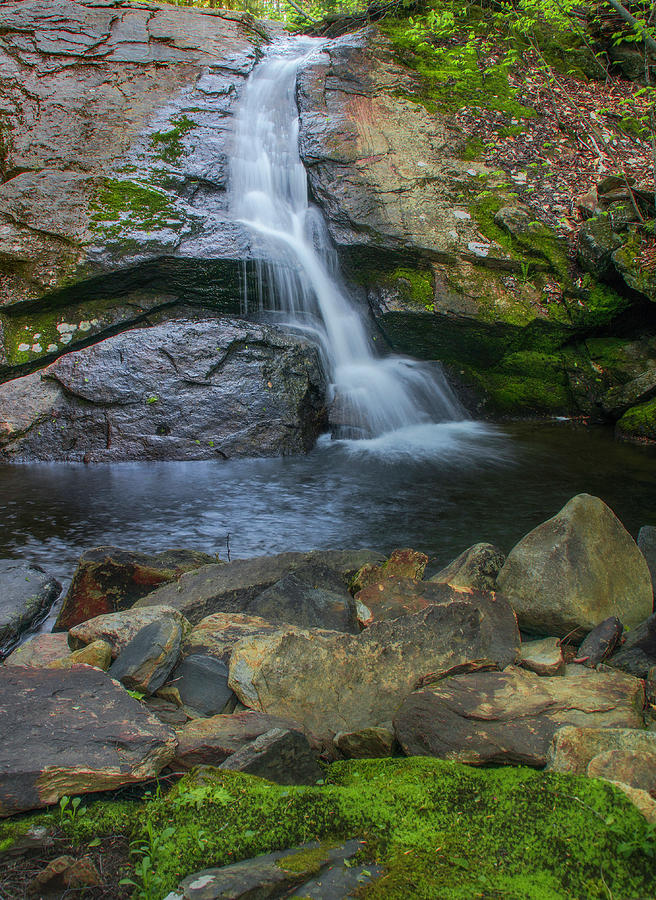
511 716
273 875
26 595
354 681
200 685
71 722
296 601
217 634
185 390
477 568
647 545
230 588
210 741
575 570
637 654
279 755
601 642
146 662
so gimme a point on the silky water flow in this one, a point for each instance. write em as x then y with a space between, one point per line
372 397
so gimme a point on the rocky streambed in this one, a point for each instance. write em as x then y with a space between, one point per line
278 667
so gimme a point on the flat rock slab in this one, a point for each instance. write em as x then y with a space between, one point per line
83 731
26 595
108 579
510 717
231 587
575 570
399 595
208 742
273 875
118 629
331 682
543 657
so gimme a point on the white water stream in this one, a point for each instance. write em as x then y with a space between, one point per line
379 399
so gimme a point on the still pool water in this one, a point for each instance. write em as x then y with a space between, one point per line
466 483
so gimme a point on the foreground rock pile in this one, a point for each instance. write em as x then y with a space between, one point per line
275 665
267 665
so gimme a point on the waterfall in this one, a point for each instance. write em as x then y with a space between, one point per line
371 396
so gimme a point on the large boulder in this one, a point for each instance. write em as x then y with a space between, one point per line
575 570
647 544
108 579
189 389
26 595
231 588
354 681
510 717
83 732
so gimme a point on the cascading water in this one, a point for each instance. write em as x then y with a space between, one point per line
372 397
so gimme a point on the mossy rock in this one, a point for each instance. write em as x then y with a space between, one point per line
638 423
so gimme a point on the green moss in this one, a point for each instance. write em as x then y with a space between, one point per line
639 422
448 830
123 206
414 285
307 861
533 364
597 305
168 143
474 149
512 394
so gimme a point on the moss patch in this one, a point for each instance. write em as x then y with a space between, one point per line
450 831
639 422
414 285
168 144
124 206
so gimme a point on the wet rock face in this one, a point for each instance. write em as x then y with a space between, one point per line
26 595
114 155
185 390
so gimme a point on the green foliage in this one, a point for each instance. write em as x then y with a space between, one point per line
69 809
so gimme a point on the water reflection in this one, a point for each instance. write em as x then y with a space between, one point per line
479 484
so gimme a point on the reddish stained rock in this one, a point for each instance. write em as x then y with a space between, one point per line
64 874
109 579
83 732
400 596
